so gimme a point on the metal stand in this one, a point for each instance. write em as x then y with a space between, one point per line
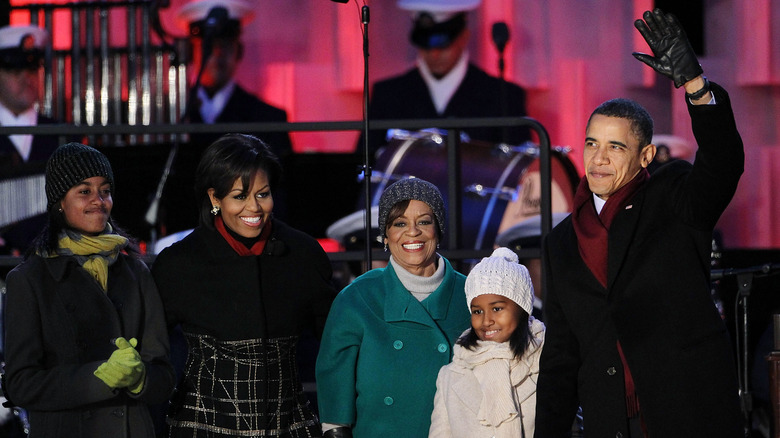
365 18
152 213
500 34
773 361
745 278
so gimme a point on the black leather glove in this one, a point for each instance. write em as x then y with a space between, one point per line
674 56
338 432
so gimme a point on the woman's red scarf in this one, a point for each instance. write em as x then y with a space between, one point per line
239 247
593 240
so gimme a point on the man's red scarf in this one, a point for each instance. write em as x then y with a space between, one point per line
593 241
592 229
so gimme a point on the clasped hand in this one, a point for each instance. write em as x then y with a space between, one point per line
124 369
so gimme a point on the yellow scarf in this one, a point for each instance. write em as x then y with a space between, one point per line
94 253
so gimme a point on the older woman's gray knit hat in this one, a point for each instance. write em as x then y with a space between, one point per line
501 274
408 189
71 164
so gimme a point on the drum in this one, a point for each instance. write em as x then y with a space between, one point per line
526 207
489 175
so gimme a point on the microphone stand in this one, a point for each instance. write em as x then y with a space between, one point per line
745 285
500 33
152 213
365 18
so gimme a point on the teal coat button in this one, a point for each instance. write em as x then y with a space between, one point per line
443 348
388 401
398 345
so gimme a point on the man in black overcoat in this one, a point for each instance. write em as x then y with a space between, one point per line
633 336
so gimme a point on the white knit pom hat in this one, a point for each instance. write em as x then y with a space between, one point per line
501 274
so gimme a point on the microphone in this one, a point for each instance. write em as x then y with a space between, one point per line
215 21
213 25
500 33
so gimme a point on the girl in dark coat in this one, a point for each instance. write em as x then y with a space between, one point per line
86 345
243 287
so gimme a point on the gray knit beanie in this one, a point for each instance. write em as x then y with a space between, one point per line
71 164
501 274
408 189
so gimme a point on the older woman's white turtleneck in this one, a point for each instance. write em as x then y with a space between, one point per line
419 286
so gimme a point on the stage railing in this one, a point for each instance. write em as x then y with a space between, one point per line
452 125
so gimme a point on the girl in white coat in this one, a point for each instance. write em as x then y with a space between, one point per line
489 389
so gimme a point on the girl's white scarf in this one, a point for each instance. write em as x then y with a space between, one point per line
499 373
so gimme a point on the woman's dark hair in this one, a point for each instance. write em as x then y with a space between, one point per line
231 157
398 209
518 342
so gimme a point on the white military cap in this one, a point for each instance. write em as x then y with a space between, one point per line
440 10
193 15
437 23
22 46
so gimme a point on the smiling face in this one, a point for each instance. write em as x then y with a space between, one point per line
412 239
494 317
612 154
87 205
246 211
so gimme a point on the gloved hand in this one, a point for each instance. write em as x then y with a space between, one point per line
124 369
674 56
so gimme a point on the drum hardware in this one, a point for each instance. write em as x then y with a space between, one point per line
383 178
379 176
530 148
493 199
434 135
503 193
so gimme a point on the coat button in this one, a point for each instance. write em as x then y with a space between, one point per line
118 413
619 435
443 348
611 371
398 345
388 401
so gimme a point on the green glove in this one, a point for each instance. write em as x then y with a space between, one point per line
124 369
674 56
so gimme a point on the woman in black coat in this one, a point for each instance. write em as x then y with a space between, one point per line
86 345
243 287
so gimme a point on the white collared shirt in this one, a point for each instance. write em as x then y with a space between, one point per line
211 107
442 90
22 142
599 203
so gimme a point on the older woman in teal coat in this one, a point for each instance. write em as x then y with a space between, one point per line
390 331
